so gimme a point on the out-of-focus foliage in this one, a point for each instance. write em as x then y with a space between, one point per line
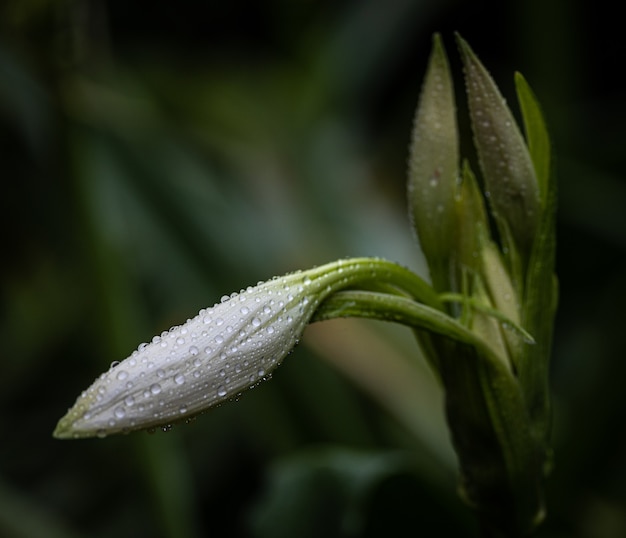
154 158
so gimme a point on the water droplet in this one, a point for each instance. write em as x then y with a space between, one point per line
270 330
120 412
219 339
261 372
129 401
244 310
221 391
307 280
180 340
155 388
179 379
121 375
183 409
193 350
219 321
225 298
160 372
114 364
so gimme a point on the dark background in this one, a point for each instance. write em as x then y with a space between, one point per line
154 156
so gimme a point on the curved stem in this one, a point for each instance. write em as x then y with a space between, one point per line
386 307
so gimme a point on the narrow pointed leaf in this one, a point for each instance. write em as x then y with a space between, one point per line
537 134
539 308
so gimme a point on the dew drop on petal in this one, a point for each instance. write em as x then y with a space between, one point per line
155 388
221 391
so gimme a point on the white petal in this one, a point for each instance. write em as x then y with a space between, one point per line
211 358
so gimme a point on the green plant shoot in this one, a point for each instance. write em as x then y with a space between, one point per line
484 322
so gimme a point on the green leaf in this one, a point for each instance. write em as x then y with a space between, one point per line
538 311
537 135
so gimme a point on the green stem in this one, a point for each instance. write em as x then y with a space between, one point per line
386 307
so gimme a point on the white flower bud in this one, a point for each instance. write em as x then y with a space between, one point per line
213 357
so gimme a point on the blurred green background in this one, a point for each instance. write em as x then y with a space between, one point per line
155 156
